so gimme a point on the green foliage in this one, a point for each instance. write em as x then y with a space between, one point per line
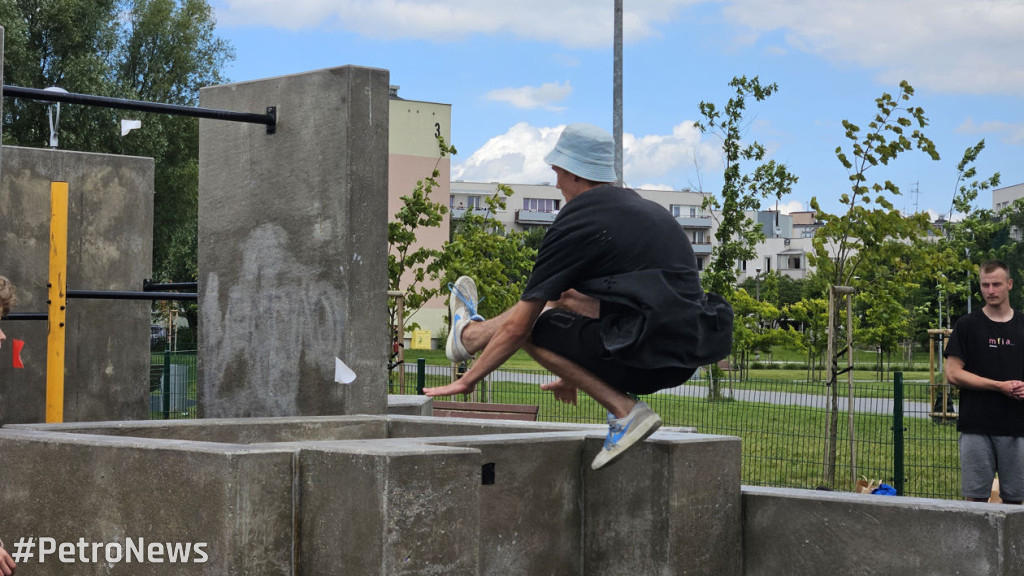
151 50
499 261
741 192
847 241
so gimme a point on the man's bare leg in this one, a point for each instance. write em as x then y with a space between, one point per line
575 376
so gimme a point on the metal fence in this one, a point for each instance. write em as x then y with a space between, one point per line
785 426
172 385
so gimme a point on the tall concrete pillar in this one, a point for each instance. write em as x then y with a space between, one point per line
293 246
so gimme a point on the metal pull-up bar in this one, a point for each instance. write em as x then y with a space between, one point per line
269 118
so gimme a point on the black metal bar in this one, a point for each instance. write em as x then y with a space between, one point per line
26 316
149 286
269 118
128 295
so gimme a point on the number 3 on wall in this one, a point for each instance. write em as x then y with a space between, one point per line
437 129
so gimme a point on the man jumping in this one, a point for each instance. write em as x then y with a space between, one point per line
614 305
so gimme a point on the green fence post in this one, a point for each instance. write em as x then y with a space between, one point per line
897 432
165 385
421 375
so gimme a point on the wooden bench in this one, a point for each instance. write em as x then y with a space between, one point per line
486 410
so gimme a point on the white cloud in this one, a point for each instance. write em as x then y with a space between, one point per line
572 23
791 206
517 157
1010 133
544 96
945 45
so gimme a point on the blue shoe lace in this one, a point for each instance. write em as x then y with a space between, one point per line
615 432
471 306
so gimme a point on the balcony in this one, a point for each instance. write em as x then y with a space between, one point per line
535 218
701 248
694 221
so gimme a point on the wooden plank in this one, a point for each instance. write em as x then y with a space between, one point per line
486 410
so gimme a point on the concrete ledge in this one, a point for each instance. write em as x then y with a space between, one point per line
231 430
409 405
809 533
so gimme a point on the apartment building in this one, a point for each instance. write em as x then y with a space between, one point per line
787 236
413 154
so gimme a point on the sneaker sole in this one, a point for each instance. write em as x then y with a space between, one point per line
453 349
634 436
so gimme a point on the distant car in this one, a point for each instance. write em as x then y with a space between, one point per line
157 333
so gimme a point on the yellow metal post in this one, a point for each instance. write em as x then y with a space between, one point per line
56 299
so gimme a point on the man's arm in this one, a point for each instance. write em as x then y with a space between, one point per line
509 337
961 378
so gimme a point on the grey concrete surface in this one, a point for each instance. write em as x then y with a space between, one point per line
292 246
323 495
110 243
410 405
682 493
809 533
105 489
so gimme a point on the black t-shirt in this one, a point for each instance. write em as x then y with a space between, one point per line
992 350
632 255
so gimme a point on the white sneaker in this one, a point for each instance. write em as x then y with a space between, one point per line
462 310
640 423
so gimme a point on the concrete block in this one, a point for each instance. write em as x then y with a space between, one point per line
808 533
388 509
530 495
235 499
292 246
410 405
668 506
110 247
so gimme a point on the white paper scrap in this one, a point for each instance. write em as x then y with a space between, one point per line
129 125
342 373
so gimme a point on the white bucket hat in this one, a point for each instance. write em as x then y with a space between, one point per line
586 151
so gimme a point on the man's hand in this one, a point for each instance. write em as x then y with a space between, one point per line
1015 389
6 563
563 392
460 386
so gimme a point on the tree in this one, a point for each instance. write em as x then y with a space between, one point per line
845 245
499 261
737 235
152 50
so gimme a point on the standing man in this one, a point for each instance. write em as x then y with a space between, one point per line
985 360
614 306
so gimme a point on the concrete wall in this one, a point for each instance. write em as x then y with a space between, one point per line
344 501
292 246
110 244
809 533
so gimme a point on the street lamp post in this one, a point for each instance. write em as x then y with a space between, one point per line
757 283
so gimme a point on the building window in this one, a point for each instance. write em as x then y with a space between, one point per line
540 204
698 237
794 263
700 263
767 264
474 202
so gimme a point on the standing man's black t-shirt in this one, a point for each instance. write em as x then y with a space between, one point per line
632 255
993 350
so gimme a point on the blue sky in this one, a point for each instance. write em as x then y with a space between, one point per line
516 71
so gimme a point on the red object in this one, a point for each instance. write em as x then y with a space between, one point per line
16 346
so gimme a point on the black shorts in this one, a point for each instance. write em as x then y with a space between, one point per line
578 338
